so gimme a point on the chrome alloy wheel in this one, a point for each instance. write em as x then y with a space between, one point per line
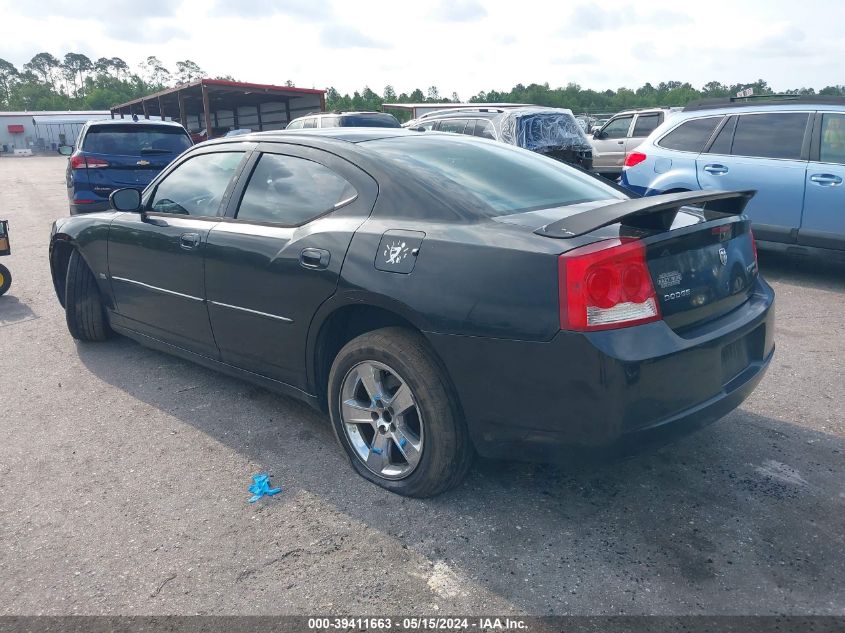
381 419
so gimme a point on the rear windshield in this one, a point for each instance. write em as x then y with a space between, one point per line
369 120
500 179
135 140
540 131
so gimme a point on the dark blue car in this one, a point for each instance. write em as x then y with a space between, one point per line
117 153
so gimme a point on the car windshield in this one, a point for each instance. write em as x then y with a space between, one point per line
369 120
543 130
135 140
501 179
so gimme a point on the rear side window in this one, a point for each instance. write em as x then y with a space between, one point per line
290 191
453 125
690 136
196 187
330 121
771 135
833 139
724 139
491 179
646 124
135 140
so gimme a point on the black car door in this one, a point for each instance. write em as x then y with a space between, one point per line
156 256
278 255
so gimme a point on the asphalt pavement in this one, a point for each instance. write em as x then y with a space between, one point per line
124 475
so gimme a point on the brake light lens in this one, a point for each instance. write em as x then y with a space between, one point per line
753 243
634 158
78 161
606 285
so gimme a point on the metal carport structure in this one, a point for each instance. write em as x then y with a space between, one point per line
218 105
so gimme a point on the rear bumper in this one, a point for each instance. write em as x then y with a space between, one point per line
528 400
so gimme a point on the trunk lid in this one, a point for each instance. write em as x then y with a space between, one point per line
701 260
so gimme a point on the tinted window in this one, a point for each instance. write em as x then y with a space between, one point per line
453 125
196 187
493 179
617 128
291 191
833 138
135 140
484 129
646 124
369 120
774 135
690 136
722 143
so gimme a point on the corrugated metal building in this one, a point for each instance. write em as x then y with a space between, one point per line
43 131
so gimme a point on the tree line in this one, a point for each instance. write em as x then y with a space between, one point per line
76 82
572 96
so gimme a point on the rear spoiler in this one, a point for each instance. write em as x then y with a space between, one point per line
651 212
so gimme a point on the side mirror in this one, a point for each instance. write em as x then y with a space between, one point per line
65 150
599 135
125 200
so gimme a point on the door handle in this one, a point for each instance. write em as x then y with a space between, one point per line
314 258
716 169
826 180
620 142
189 240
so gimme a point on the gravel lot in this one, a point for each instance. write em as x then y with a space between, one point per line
123 476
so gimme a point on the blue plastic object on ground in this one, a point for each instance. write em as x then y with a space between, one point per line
261 487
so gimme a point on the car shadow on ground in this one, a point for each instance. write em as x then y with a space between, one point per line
749 510
807 272
13 311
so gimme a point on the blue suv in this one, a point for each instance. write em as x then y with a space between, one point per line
791 150
116 153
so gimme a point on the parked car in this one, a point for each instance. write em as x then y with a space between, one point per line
344 119
791 150
598 125
621 134
114 153
553 132
435 294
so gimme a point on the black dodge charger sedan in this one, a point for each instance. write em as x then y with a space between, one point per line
435 294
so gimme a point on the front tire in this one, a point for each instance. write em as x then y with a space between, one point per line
84 311
5 280
393 412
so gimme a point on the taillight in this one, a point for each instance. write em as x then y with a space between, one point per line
634 158
78 161
753 243
606 285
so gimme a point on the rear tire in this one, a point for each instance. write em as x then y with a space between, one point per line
5 280
84 311
402 360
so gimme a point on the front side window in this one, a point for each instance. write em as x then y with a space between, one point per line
690 136
453 125
833 139
290 191
295 125
196 187
309 123
771 135
617 128
646 124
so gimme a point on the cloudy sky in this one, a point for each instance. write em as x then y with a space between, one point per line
458 45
